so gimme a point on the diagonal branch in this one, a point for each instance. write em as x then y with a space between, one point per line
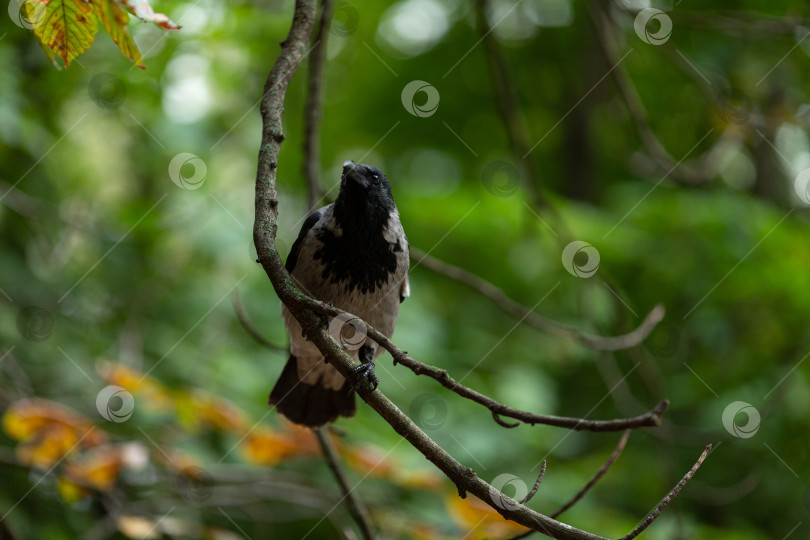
651 418
595 478
303 307
536 486
668 498
353 503
697 174
602 343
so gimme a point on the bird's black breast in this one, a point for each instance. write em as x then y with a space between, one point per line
364 262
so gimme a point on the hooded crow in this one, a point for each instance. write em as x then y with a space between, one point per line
353 254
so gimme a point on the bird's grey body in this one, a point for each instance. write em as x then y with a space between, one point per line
354 254
379 308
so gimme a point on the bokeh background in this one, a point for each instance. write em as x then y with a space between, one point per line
119 269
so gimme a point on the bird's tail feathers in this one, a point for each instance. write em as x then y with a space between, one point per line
310 404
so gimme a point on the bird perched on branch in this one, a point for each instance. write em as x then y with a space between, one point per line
353 254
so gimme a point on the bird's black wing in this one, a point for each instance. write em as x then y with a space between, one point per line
292 258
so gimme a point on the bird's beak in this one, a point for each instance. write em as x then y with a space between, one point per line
350 171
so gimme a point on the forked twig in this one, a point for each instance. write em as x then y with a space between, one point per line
603 343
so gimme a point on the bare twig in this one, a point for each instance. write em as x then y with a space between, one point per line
595 478
508 105
484 287
668 497
304 308
701 172
249 327
651 418
313 108
536 486
353 503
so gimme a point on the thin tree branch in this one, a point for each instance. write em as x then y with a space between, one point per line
484 287
508 105
668 497
694 175
313 110
249 327
595 478
536 486
353 503
303 308
651 418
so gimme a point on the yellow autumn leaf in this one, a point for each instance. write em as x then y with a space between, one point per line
196 408
115 21
47 446
97 468
149 390
265 446
66 27
26 417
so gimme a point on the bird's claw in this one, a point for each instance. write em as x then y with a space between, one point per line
365 371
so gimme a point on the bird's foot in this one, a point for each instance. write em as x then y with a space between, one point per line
365 371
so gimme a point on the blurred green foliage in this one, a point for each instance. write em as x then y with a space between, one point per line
133 269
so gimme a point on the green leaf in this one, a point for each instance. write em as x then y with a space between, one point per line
66 27
115 20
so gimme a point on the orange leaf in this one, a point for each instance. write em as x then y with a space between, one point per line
47 446
472 513
370 459
48 428
97 468
155 395
267 447
218 413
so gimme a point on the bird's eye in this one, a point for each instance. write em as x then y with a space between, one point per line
375 178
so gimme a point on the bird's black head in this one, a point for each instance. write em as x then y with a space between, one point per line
364 193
